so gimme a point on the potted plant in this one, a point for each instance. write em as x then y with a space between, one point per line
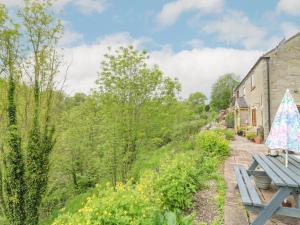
260 135
258 140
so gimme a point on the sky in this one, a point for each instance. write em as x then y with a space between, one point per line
195 41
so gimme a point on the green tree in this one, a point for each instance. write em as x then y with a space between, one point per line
26 149
222 91
132 93
12 188
42 32
196 101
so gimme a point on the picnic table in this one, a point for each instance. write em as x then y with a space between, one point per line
286 179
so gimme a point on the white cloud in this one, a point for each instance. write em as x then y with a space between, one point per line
289 29
172 10
70 38
84 60
195 43
291 7
12 2
236 27
84 6
90 6
197 69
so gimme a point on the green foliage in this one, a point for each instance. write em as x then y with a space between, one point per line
250 135
124 204
176 181
12 184
228 133
27 145
196 102
131 92
212 143
222 91
160 195
229 120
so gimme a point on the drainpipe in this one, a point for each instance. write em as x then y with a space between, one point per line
269 93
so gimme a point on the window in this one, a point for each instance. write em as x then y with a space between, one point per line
244 91
238 94
252 82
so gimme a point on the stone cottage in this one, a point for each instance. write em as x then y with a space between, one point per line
257 97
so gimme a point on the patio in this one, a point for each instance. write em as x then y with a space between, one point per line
235 213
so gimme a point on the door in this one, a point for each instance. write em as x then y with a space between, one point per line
253 117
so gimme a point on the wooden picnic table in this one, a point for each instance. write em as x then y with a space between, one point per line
286 179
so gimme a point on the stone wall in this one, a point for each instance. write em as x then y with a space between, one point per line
284 68
285 73
254 93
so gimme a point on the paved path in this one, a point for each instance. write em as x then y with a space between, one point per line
235 214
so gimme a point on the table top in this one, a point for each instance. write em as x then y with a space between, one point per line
275 168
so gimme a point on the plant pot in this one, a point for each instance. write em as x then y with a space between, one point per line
258 140
273 152
262 182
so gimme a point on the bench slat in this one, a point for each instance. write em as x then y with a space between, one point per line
242 187
280 170
251 189
288 171
292 165
276 179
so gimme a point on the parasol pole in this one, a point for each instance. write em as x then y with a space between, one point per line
286 158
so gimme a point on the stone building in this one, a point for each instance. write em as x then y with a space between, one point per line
257 97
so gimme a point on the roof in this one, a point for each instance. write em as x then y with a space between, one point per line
241 102
265 56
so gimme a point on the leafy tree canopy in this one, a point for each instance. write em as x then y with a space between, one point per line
222 91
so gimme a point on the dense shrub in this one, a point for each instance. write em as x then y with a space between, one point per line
185 130
127 204
250 135
229 118
212 143
177 181
228 133
161 195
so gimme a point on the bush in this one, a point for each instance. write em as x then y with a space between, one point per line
250 135
127 204
211 143
229 118
177 181
228 133
185 130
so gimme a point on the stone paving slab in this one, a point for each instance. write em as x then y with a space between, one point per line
234 212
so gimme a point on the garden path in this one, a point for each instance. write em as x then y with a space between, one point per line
234 212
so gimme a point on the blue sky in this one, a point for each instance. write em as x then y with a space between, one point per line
194 40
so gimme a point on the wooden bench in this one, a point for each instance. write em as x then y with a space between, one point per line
248 192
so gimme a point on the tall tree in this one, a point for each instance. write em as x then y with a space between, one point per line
129 91
196 101
222 91
12 191
25 152
42 32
